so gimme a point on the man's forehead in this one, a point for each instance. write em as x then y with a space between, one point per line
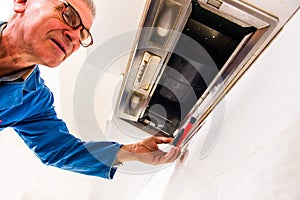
84 12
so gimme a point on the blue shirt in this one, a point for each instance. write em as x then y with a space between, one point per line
27 107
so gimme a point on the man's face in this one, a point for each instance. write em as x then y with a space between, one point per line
45 33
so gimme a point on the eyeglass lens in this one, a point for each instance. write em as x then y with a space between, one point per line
72 18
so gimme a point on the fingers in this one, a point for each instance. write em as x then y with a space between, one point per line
161 140
147 151
152 142
166 157
173 154
161 157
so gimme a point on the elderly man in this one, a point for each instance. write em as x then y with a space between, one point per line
46 32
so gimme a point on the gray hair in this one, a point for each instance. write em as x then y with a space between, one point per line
92 6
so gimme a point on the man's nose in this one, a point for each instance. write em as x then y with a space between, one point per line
73 35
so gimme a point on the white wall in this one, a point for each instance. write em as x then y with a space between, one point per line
257 155
5 9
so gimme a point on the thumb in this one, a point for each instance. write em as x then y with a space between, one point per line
163 140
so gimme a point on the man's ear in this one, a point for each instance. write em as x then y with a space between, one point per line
20 5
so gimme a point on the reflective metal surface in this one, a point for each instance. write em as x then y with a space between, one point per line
195 59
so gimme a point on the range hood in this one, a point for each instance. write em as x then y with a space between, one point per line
187 56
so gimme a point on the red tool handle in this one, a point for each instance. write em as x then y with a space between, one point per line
184 132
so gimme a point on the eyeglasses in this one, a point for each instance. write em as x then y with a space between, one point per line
72 19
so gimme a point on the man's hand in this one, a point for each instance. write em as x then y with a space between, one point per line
147 151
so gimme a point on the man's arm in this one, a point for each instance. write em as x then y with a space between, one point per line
147 151
48 137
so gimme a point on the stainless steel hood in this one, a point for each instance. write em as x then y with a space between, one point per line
187 56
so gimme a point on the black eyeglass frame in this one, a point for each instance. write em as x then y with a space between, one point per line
83 28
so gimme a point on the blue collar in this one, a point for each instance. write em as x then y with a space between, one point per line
12 92
23 77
